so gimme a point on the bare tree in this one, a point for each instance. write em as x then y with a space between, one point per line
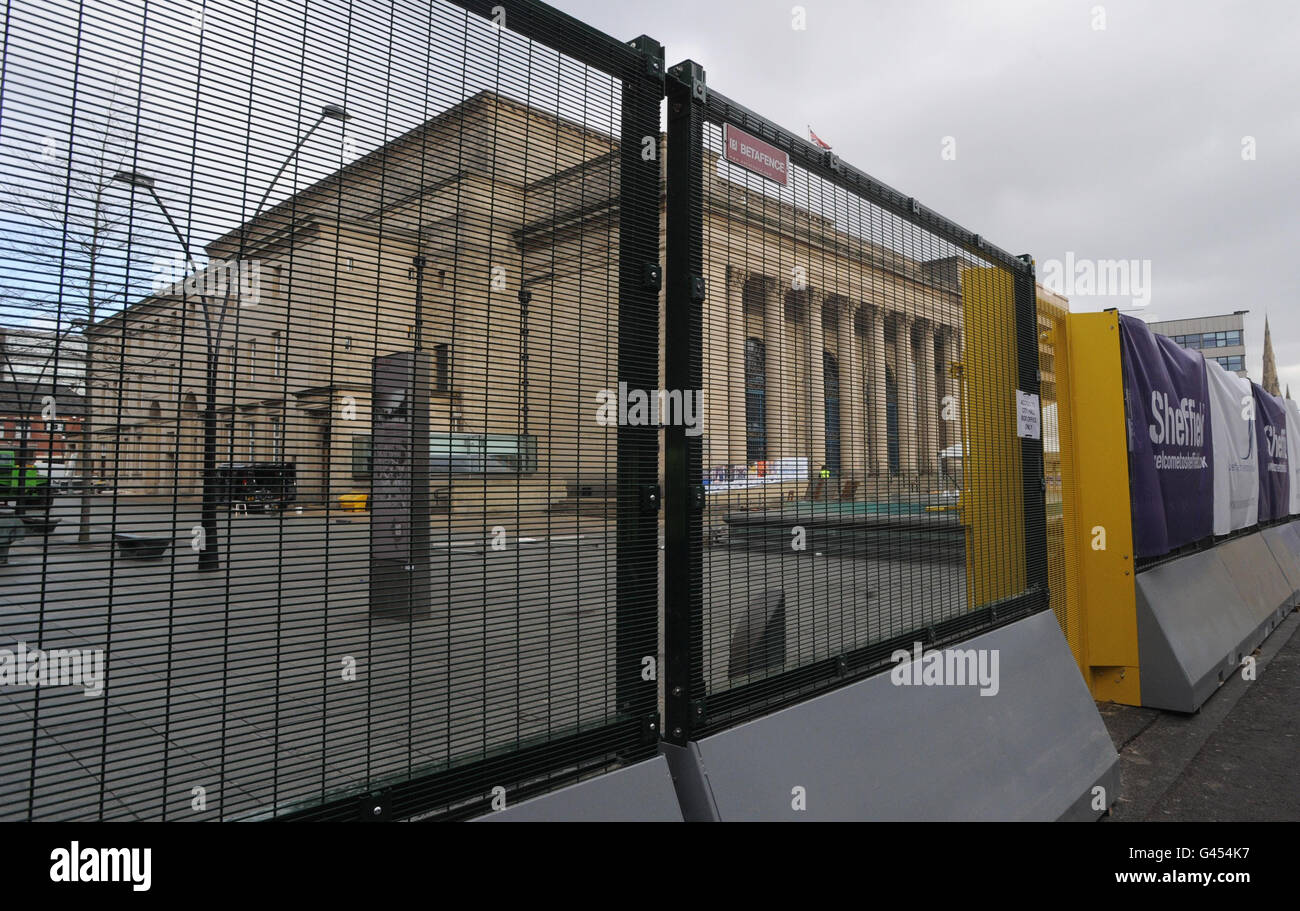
66 233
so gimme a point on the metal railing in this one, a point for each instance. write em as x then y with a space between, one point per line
290 235
337 388
857 485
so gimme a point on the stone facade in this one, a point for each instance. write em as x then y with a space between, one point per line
503 221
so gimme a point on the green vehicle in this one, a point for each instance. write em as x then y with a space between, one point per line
22 484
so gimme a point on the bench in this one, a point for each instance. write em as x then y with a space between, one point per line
42 526
140 547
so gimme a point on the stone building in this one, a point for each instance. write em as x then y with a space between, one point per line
489 237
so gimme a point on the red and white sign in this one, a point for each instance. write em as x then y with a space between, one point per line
753 154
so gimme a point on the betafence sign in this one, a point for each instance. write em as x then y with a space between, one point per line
1171 464
755 155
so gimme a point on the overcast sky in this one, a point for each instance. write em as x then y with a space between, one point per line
1162 133
1115 142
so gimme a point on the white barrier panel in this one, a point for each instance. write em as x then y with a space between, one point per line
1236 458
1293 445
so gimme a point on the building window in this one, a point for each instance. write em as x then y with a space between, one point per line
891 423
360 456
482 453
1236 363
831 388
1200 340
442 368
755 401
252 359
277 354
252 442
277 440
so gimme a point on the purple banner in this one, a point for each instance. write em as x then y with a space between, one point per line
1274 472
1171 464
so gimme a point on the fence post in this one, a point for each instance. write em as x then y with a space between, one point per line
640 279
1031 450
683 343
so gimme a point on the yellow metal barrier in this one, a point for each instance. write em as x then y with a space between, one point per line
1058 467
1090 541
992 496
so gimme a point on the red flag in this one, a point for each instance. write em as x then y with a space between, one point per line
817 139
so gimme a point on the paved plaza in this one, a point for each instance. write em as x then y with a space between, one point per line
269 685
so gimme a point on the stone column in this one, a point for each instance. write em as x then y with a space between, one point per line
816 382
946 401
905 374
953 355
734 363
852 413
794 381
927 412
774 368
879 412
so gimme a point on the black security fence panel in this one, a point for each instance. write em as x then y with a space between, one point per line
846 476
318 502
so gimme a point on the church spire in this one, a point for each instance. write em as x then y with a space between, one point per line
1270 363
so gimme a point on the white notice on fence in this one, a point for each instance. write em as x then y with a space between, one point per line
1029 420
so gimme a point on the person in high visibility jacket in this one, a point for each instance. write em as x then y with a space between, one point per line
825 472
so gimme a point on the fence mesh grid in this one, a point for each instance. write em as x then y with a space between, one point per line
858 443
1061 489
253 253
332 411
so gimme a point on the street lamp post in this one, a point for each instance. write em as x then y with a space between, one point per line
327 112
209 555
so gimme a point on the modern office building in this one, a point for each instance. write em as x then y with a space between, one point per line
1221 338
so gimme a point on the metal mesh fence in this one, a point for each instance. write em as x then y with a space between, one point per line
1059 472
335 375
309 311
859 479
